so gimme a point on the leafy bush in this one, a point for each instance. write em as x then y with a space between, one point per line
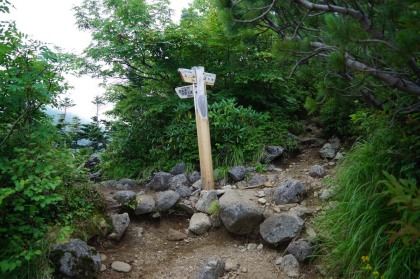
238 135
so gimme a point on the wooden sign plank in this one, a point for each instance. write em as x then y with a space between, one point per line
189 76
185 92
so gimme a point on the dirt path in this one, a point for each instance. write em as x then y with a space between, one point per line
146 248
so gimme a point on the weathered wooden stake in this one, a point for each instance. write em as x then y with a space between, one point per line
199 78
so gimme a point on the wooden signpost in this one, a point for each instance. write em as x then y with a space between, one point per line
200 79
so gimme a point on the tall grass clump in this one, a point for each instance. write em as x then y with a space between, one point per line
359 235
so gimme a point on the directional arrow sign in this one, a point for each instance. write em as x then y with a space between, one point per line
188 76
185 91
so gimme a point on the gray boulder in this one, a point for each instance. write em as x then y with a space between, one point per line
198 185
160 182
126 184
194 176
178 169
335 142
237 173
291 191
281 228
301 249
199 223
317 171
211 269
145 204
186 206
206 201
165 200
76 259
124 197
239 216
289 265
179 183
256 180
109 184
327 151
120 223
271 153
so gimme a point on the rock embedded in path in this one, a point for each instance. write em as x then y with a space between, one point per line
206 201
272 153
327 151
239 215
199 223
165 200
256 180
174 235
281 228
211 269
335 142
124 197
301 249
317 171
291 191
231 265
178 169
289 265
326 194
76 259
120 223
160 182
121 266
145 204
237 173
185 206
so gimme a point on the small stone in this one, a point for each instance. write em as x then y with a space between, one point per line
251 246
103 257
103 267
243 270
261 194
260 247
289 265
231 265
121 266
262 201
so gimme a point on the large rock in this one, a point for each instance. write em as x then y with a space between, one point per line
165 200
301 249
291 191
194 176
120 223
126 184
256 180
206 201
160 182
272 153
212 269
327 151
179 169
76 259
289 265
124 197
281 228
179 183
145 204
199 223
239 216
335 142
237 173
317 171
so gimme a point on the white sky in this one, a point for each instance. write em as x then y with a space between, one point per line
52 21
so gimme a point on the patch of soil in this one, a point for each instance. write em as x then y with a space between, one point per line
152 256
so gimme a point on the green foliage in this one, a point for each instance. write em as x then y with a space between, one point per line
405 195
213 208
361 224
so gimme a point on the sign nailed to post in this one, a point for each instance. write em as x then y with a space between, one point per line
200 79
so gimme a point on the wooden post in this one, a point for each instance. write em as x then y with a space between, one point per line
200 79
203 130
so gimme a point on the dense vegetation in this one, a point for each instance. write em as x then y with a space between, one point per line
353 65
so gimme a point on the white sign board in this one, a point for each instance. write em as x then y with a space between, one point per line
188 76
185 92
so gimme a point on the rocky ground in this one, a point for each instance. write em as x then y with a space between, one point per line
165 248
